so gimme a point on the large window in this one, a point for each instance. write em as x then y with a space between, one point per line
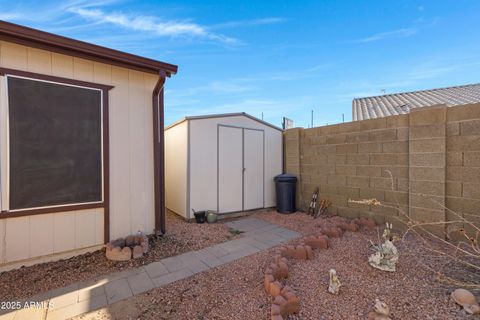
54 146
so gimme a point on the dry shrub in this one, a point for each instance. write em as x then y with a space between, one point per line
452 254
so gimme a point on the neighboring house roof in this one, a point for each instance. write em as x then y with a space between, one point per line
43 40
401 103
222 115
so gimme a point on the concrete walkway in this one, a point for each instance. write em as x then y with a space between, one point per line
83 297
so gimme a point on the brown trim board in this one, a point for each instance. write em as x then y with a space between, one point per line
48 41
31 212
159 154
106 169
39 76
106 155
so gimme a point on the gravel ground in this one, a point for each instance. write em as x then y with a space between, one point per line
409 292
235 291
181 237
299 222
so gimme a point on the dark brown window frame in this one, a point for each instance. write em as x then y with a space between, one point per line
105 204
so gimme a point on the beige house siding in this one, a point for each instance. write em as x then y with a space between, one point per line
433 154
131 160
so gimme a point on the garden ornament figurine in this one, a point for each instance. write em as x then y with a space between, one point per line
334 285
386 254
387 233
381 311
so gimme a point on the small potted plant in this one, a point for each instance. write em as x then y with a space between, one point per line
211 216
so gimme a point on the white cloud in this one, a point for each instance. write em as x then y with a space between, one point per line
416 77
152 24
239 85
291 75
225 87
400 33
9 16
63 17
88 3
248 23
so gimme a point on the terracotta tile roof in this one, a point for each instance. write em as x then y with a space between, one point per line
400 103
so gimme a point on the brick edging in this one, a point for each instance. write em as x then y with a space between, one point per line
285 299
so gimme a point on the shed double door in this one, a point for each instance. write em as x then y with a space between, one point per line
240 169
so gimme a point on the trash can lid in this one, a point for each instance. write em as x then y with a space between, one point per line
286 177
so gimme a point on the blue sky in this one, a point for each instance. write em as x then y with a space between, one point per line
281 58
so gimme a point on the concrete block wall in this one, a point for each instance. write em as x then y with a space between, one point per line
427 166
417 163
291 156
462 186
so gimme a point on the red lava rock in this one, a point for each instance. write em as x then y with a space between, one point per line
277 317
309 251
121 249
289 295
117 254
275 309
277 258
301 252
319 242
268 280
333 232
353 227
145 245
282 271
286 290
288 252
137 252
275 288
348 226
290 307
279 300
367 223
278 270
338 220
298 252
288 303
342 225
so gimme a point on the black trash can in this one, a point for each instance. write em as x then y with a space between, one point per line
285 186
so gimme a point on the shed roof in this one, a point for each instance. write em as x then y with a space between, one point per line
222 115
401 103
48 41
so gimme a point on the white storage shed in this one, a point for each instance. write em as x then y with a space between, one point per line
223 162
